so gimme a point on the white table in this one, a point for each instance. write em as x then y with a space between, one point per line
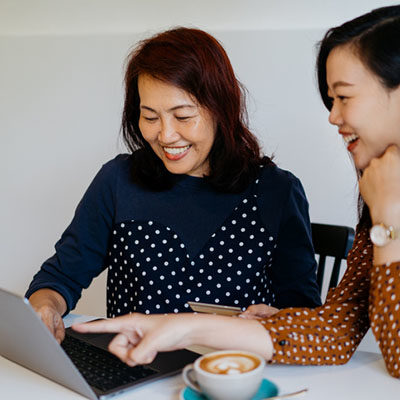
364 377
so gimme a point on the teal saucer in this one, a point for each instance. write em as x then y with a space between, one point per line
267 389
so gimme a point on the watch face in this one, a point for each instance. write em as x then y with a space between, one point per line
379 235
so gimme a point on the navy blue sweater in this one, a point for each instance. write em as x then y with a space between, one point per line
116 219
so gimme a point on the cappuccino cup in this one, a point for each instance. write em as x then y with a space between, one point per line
226 375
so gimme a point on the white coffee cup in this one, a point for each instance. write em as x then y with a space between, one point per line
226 375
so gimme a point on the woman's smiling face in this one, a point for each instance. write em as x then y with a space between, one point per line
365 111
178 129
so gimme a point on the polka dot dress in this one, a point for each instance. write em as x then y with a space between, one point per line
367 296
150 270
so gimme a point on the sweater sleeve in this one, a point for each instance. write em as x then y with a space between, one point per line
294 269
384 313
328 334
81 251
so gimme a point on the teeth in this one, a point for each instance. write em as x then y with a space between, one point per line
350 138
176 150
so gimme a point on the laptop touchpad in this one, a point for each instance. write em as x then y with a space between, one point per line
96 339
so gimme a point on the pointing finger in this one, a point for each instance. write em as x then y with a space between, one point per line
111 325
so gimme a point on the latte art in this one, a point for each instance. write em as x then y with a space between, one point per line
229 364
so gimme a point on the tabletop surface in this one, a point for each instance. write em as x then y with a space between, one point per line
363 377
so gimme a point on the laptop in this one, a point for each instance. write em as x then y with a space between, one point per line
82 362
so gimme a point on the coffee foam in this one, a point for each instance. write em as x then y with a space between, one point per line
229 364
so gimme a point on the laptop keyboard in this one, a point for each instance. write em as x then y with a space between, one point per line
100 368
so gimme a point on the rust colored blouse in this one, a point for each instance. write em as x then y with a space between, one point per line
367 296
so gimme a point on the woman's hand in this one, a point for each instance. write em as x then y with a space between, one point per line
50 306
140 337
258 311
380 187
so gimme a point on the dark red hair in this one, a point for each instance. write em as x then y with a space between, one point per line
196 62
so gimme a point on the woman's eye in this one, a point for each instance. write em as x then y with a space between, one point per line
150 119
339 99
182 118
342 99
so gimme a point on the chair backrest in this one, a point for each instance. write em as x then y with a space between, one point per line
331 241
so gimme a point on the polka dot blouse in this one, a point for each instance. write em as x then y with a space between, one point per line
151 271
367 296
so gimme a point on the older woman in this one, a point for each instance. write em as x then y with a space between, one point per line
194 212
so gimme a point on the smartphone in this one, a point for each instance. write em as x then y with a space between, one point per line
214 308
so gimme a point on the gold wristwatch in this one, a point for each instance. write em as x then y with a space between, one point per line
381 234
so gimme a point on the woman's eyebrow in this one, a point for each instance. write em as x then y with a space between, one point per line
182 106
147 108
178 107
341 83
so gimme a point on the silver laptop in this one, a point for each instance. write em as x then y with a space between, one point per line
82 362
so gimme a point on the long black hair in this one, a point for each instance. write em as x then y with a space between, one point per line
375 39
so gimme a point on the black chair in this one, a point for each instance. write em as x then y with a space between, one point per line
331 241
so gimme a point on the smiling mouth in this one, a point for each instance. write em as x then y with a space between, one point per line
348 139
176 150
176 153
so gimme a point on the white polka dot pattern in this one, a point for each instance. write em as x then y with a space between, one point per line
331 333
384 313
150 271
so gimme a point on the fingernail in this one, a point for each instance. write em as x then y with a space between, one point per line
130 361
150 357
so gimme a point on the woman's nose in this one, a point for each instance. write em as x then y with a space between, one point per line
168 133
335 116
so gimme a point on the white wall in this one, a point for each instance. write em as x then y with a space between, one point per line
61 71
81 17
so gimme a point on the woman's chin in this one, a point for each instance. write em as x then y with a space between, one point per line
175 169
360 163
